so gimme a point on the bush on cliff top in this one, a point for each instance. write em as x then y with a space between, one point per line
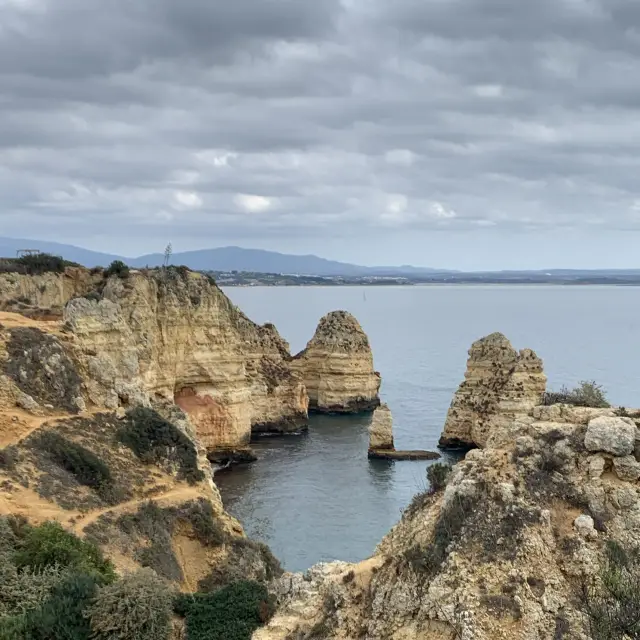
117 268
586 394
156 440
36 264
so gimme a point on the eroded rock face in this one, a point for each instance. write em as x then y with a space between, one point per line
337 367
500 383
381 429
47 291
175 335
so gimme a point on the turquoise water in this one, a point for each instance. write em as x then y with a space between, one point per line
317 497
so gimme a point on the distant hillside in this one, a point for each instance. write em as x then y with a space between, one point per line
219 259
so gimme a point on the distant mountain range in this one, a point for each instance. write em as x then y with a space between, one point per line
259 261
218 259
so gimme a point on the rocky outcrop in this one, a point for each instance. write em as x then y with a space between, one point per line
500 383
173 334
381 439
503 552
337 367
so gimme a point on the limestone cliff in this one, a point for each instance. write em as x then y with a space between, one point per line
173 334
48 291
138 482
337 367
500 383
504 551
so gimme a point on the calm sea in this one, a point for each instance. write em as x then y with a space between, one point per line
317 497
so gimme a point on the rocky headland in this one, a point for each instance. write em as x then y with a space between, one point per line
337 367
517 541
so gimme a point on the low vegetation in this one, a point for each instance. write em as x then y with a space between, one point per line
139 606
232 613
586 394
157 441
611 602
35 264
55 586
83 464
437 475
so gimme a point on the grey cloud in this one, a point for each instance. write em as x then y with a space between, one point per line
306 121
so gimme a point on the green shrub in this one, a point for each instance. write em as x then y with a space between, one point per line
155 440
117 268
22 591
62 616
49 545
9 456
138 606
437 475
611 603
246 559
83 464
232 613
586 394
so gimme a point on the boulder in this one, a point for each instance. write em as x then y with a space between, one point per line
612 435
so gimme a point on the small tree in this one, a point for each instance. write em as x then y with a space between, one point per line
167 255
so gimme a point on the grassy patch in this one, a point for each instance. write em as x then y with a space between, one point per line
156 441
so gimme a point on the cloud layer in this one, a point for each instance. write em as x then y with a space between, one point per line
305 125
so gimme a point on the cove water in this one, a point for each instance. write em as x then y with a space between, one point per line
317 497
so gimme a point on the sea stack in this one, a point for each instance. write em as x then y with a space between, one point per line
337 367
381 439
500 383
381 430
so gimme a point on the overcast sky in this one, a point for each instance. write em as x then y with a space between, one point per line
447 133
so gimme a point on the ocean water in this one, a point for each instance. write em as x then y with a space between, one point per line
317 497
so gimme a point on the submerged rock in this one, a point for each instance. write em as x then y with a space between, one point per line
500 383
337 367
